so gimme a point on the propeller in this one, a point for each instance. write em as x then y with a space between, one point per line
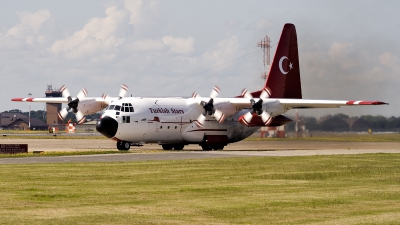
72 105
209 108
122 93
256 107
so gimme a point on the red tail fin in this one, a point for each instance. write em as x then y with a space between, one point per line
284 76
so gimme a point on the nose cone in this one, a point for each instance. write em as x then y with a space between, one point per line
107 126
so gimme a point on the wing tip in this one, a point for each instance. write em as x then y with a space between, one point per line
366 103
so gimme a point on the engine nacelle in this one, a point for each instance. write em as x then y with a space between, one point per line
89 106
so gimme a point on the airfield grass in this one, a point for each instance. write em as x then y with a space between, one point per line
71 153
344 189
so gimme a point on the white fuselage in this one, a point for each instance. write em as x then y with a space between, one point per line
171 121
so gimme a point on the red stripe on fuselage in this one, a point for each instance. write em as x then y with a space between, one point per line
208 130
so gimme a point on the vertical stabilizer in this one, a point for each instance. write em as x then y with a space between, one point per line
284 77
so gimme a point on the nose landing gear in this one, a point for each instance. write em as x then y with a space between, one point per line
123 145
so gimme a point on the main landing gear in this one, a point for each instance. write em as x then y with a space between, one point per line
170 146
207 147
123 145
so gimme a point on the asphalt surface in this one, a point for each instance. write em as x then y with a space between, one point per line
240 149
127 157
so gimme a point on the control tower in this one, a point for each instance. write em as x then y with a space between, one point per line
52 109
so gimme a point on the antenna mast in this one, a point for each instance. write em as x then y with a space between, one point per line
265 44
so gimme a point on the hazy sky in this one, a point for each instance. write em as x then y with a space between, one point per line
349 50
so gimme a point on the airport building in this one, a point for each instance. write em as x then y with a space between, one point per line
52 109
18 121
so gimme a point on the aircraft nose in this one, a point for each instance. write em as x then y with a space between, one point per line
107 126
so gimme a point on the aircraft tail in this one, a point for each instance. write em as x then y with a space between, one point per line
284 77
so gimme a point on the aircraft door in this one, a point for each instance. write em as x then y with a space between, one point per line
152 131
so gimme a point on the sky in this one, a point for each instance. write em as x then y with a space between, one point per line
349 50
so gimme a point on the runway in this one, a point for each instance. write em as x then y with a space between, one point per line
240 149
104 144
127 157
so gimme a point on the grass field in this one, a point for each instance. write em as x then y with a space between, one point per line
70 153
351 189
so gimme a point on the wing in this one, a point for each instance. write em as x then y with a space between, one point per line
231 106
48 100
306 103
268 109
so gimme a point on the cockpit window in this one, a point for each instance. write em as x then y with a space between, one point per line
117 108
127 107
111 107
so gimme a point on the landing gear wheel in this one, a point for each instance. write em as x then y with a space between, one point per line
123 145
126 145
218 147
167 147
178 147
206 147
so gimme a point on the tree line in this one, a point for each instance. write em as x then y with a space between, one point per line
41 115
344 123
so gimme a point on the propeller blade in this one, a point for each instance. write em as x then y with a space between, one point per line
123 91
246 118
195 95
266 118
64 91
82 94
219 116
106 99
63 113
265 93
80 118
246 94
215 92
200 121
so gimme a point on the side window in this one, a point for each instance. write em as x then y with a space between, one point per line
130 107
126 119
117 108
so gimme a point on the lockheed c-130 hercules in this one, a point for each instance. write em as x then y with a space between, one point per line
210 122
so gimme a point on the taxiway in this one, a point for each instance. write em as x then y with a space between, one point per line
240 149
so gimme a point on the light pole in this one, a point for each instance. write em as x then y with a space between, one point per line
29 120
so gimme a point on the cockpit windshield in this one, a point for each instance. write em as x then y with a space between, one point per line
114 107
127 107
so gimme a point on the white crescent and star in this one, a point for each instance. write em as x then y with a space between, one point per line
280 65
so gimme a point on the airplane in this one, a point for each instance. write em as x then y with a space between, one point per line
210 122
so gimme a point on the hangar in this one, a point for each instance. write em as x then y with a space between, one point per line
18 121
